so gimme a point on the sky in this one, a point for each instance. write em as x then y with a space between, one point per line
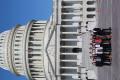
13 12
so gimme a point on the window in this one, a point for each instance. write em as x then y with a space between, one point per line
1 39
90 2
17 59
90 9
90 16
17 40
17 45
16 49
17 63
16 54
19 33
18 36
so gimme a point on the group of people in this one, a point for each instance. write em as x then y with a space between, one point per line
101 47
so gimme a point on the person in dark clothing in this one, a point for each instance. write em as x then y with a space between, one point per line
106 47
106 60
107 53
95 56
106 31
107 63
97 29
98 60
98 33
108 36
106 39
99 63
109 57
101 60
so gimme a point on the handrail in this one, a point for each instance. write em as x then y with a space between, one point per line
47 48
52 24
